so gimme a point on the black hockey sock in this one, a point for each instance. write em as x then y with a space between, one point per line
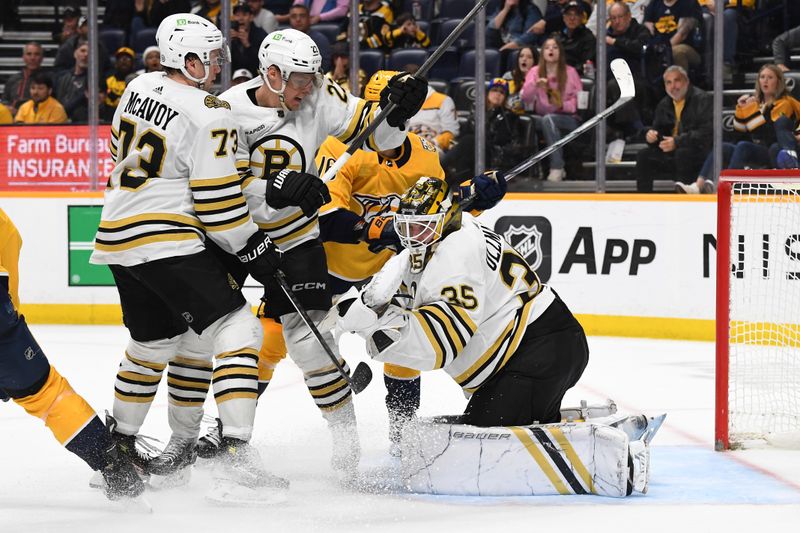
91 444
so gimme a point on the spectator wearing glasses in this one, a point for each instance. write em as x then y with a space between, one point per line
579 43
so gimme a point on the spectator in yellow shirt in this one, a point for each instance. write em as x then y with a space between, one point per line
42 108
5 115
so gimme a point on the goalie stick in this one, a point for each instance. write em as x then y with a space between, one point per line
622 74
380 117
362 374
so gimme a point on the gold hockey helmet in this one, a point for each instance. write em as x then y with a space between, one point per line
377 82
426 214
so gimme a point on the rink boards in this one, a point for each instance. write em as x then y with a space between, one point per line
628 265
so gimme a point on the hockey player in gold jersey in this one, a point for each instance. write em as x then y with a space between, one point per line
27 377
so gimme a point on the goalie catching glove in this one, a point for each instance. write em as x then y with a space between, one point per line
407 93
484 191
260 256
291 188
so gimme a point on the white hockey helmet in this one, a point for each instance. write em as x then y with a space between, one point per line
185 33
291 51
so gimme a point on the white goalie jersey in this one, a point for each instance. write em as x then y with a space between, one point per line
175 180
272 139
467 310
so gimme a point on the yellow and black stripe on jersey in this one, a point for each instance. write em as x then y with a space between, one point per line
498 353
112 144
290 229
363 116
146 228
448 328
219 203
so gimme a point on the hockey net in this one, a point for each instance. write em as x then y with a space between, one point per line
758 309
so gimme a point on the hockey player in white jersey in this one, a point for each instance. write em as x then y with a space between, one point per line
284 116
460 298
473 307
174 189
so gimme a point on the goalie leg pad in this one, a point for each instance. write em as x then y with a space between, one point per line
582 458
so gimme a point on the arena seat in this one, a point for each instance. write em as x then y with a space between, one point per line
143 38
370 61
401 57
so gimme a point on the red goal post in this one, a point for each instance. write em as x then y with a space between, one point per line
758 309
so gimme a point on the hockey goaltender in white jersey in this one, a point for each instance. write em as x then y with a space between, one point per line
469 304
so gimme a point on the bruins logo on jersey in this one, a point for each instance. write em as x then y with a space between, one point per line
212 102
667 24
273 153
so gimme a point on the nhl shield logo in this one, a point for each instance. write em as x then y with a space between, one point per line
527 240
532 237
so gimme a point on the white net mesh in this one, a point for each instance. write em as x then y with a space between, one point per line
764 339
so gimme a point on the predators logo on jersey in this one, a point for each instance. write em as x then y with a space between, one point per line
212 102
274 153
372 204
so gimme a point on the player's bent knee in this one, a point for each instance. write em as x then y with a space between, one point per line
153 353
578 458
238 330
303 346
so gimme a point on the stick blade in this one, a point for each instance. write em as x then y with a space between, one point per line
360 377
622 73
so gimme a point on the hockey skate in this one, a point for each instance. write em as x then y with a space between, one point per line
344 436
171 468
208 445
241 480
120 477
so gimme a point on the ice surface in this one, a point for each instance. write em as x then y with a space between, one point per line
44 488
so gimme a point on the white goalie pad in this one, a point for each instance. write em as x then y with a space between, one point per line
566 458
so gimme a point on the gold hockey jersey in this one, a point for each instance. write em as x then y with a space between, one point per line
272 139
10 245
366 185
175 179
468 309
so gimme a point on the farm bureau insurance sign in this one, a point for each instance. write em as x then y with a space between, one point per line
53 158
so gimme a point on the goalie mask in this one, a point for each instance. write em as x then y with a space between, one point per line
426 214
297 57
183 34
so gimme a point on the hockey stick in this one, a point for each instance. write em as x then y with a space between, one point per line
380 117
622 73
361 376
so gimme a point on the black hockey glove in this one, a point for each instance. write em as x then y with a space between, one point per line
261 257
486 190
380 234
408 93
291 188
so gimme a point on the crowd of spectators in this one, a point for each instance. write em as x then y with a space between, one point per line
546 48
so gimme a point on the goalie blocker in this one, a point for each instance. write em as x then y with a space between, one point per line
607 456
